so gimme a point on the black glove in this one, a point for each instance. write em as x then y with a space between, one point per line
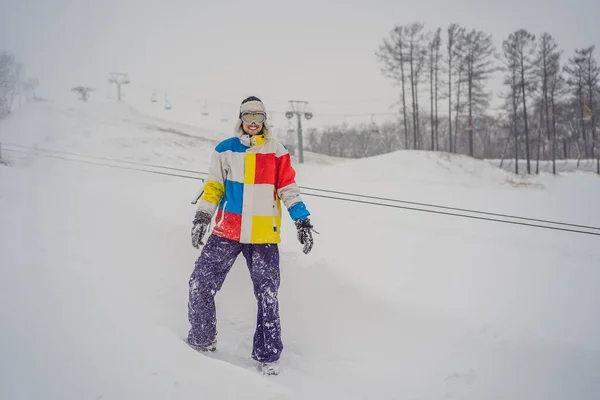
304 234
201 222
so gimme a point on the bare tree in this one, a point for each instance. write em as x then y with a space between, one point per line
388 136
538 111
591 80
478 67
416 59
459 64
511 67
459 83
356 141
84 92
492 133
455 34
434 57
363 137
556 85
313 139
575 79
10 74
547 69
521 46
32 85
431 49
28 88
437 40
391 55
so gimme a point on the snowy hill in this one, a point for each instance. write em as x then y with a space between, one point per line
118 130
391 303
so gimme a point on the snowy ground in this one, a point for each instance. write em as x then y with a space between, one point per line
390 304
587 165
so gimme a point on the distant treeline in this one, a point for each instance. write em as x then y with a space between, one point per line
550 102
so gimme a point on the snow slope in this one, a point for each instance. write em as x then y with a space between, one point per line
390 304
569 165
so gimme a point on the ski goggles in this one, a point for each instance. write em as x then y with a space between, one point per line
256 117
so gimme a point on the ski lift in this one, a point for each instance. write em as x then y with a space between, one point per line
167 103
205 109
153 97
289 113
308 112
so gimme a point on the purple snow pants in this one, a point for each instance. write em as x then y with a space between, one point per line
215 261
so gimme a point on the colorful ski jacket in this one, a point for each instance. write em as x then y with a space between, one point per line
248 177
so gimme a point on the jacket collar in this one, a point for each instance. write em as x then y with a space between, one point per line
253 141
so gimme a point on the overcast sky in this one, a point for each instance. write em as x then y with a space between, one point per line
320 51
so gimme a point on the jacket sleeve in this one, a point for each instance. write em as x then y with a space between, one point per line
287 189
214 188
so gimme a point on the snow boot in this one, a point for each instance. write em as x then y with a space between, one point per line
204 349
271 368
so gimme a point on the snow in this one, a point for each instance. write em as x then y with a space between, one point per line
390 303
569 165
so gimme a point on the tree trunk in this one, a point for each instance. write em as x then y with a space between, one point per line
547 110
554 138
514 124
417 121
412 87
553 134
593 121
504 151
431 99
539 143
525 114
403 96
450 101
581 103
457 109
437 68
471 124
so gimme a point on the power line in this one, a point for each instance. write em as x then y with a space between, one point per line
455 215
453 208
319 190
105 159
346 114
211 101
108 165
338 198
326 190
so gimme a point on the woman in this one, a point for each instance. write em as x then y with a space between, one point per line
249 174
